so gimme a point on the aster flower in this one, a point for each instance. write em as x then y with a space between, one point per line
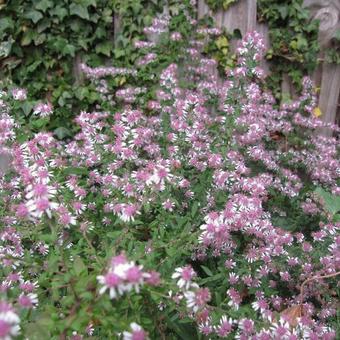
185 275
124 276
9 322
168 205
43 110
29 300
225 326
136 333
19 94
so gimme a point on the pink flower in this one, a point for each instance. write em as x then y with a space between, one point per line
225 326
9 322
185 276
19 94
137 333
28 301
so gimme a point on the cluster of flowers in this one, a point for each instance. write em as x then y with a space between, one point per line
124 276
43 110
159 25
23 293
216 153
100 72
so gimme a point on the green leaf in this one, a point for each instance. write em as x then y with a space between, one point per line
79 265
27 107
337 35
43 5
104 48
80 11
194 209
213 278
39 39
6 23
27 38
39 123
69 50
87 3
35 16
331 202
33 66
222 42
207 271
5 48
62 132
283 11
227 3
59 11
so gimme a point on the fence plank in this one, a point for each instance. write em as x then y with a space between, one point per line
241 15
326 76
329 93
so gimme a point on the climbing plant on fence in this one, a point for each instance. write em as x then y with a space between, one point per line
39 43
293 38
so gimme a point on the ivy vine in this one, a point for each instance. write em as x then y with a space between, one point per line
39 43
215 5
332 54
293 38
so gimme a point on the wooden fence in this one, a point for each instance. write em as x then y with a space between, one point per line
242 15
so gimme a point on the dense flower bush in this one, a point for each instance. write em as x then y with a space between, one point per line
194 208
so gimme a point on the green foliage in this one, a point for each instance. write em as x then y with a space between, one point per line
219 4
219 49
330 202
133 15
333 53
41 39
293 38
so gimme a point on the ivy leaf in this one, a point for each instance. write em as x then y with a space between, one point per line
69 50
27 38
227 3
59 11
5 48
6 23
62 132
80 11
35 16
33 66
331 202
39 123
283 11
104 48
87 3
336 36
27 107
83 43
119 53
222 42
43 5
